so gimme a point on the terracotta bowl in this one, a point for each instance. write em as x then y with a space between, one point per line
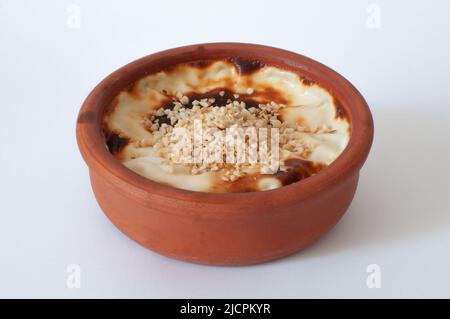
231 228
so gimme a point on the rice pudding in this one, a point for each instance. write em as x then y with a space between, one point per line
227 125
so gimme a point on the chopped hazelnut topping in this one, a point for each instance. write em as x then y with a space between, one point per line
233 114
184 100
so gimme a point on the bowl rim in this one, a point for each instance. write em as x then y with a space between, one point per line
93 148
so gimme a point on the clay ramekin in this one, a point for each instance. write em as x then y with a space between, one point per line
232 228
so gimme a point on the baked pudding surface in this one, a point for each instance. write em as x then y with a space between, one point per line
301 125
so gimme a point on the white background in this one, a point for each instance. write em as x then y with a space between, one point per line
399 219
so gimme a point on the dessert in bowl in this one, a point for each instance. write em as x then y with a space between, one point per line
224 153
221 95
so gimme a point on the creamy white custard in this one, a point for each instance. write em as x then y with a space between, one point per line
311 126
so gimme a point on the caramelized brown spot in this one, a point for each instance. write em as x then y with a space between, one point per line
249 103
171 67
298 169
168 104
219 100
162 119
248 183
306 80
133 90
340 110
111 107
286 178
245 66
222 100
115 142
201 64
269 94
